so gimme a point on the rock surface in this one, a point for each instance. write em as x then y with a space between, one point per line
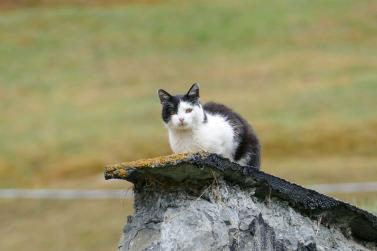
204 202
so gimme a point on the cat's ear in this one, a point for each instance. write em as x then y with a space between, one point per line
163 95
194 91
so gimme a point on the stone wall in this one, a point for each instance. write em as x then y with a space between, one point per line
204 202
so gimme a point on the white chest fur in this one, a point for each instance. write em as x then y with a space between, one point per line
215 136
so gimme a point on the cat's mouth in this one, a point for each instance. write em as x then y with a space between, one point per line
182 125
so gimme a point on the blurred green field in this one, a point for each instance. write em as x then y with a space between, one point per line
62 225
78 90
78 84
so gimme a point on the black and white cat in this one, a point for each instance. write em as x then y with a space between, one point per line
213 128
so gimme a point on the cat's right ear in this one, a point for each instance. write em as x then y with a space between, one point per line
194 91
163 95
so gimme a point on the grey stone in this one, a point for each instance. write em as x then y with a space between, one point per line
212 204
172 219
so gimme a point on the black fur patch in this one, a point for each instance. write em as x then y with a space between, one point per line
170 106
205 120
248 143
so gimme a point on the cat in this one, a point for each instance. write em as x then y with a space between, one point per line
213 127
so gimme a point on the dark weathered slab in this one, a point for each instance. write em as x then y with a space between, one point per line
198 168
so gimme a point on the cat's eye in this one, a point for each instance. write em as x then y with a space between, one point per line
188 110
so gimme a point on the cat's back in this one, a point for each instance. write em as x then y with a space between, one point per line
247 151
222 110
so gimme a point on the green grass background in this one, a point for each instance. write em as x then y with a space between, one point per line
78 87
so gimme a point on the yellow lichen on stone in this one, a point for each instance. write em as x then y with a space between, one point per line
158 161
110 168
120 170
169 159
122 173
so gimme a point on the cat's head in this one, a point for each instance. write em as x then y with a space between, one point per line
181 112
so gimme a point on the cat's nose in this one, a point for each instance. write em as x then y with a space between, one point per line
181 120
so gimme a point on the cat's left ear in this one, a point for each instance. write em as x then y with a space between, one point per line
194 91
164 96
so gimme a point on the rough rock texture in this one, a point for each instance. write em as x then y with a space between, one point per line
205 202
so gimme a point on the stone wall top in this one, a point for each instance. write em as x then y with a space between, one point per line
198 169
